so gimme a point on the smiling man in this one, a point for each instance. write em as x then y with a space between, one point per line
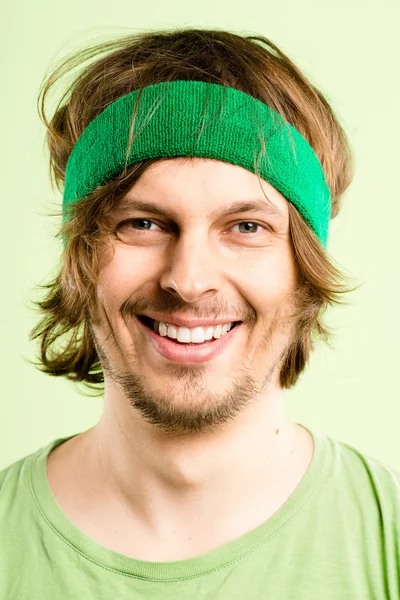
188 325
207 416
195 222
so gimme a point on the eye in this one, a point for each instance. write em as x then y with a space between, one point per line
138 225
247 229
130 224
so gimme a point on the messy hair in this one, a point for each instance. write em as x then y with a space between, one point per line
252 64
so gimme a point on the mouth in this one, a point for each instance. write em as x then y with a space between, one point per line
149 323
187 353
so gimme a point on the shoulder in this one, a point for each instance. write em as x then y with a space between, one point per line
369 478
15 479
356 458
11 474
14 482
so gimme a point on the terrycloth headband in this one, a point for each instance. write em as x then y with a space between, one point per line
195 118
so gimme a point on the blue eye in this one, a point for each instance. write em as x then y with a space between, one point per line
248 223
131 221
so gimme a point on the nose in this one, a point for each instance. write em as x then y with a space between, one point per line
192 268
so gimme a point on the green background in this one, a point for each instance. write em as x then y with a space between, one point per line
350 50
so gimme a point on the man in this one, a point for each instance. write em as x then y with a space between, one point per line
189 276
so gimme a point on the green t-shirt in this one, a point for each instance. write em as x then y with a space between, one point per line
336 538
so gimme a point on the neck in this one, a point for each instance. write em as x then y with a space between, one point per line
154 472
130 487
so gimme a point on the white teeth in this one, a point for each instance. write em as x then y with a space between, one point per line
172 332
183 335
197 335
163 329
208 333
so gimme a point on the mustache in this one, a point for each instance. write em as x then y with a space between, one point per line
173 306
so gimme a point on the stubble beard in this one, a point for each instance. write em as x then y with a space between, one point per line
189 406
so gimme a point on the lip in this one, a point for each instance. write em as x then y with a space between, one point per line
185 353
189 323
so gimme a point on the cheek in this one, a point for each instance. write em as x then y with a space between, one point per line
266 281
125 272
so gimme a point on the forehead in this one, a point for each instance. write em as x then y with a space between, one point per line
192 185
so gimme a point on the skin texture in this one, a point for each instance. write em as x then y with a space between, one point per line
180 447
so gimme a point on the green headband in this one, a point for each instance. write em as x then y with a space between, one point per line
195 118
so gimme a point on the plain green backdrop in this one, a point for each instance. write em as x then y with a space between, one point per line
350 50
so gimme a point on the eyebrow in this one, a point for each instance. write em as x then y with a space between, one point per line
265 206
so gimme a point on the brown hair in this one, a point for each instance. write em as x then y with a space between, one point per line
253 64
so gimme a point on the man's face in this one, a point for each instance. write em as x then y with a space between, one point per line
198 264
